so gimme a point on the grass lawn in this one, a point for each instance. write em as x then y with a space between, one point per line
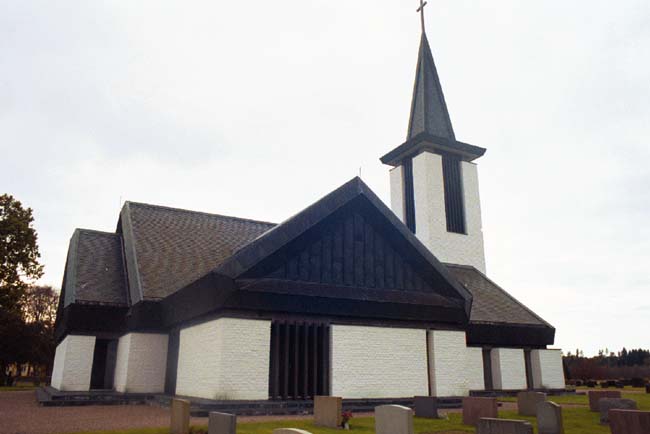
577 420
16 388
642 399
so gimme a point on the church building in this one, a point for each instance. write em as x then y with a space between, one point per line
348 298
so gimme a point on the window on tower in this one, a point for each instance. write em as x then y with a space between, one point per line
454 204
409 195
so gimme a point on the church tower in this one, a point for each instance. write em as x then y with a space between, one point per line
434 180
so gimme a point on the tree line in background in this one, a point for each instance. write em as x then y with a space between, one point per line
608 365
27 311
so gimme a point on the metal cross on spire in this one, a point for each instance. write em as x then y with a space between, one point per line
421 11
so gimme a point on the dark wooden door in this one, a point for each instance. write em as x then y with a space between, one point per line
299 363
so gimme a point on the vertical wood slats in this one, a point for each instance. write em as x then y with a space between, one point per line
454 206
299 362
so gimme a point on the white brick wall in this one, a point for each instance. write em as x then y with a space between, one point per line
73 362
454 368
508 369
141 363
548 372
227 358
396 175
377 362
430 220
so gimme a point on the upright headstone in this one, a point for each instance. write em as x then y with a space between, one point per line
647 388
595 395
607 404
327 411
527 402
629 422
222 423
503 426
393 419
290 431
180 417
475 408
426 406
549 418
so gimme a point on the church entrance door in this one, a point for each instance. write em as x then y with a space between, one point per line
299 363
103 369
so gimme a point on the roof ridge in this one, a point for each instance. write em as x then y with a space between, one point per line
96 231
496 285
171 208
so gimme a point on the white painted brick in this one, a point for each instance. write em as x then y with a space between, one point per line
397 191
141 363
430 220
548 372
73 362
227 358
377 362
508 369
455 369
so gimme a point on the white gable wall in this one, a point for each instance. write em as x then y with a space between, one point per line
548 372
378 362
227 358
73 362
141 363
430 217
508 369
454 368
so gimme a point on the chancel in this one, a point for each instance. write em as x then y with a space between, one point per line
348 298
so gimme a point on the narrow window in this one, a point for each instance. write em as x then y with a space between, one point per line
409 195
454 207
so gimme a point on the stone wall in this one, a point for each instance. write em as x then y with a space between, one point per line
227 358
508 369
73 362
548 372
454 368
378 362
141 363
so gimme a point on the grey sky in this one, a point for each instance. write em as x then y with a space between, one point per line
256 109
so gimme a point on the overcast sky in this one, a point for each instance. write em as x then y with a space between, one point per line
257 108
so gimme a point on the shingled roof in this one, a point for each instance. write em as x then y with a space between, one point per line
492 304
95 269
169 248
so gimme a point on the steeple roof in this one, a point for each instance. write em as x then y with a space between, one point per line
429 112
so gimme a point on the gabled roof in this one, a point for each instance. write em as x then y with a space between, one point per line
95 269
260 258
492 304
168 248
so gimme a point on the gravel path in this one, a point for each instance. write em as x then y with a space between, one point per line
20 414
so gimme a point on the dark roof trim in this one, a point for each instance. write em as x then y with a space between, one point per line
130 257
436 144
271 241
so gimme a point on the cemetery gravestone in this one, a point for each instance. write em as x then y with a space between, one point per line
327 411
503 426
476 408
527 402
607 404
594 396
222 423
180 417
426 406
629 422
393 419
549 418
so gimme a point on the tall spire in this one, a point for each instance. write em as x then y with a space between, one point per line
428 108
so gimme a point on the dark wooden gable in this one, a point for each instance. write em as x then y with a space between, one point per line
354 247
